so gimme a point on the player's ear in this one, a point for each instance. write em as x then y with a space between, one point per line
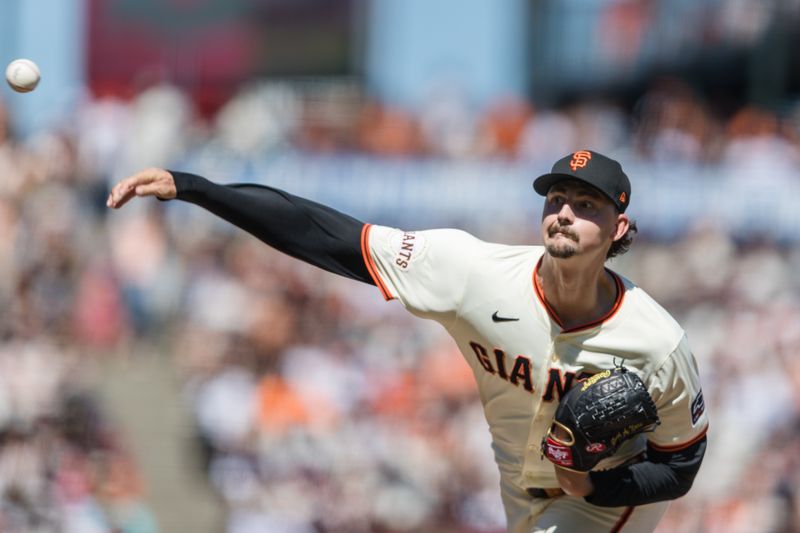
621 226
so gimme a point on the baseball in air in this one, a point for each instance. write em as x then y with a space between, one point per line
23 75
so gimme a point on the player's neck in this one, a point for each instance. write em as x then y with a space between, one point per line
577 292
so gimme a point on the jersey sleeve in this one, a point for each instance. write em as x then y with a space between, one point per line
426 270
675 387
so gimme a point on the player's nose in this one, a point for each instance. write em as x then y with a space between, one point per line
565 214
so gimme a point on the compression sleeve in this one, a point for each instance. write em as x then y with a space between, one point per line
303 229
662 476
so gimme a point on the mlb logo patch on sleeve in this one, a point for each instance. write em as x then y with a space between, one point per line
698 407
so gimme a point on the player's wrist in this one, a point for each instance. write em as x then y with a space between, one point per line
574 483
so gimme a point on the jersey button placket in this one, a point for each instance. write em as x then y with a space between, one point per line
538 424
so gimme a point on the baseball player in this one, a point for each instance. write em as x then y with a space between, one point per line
531 321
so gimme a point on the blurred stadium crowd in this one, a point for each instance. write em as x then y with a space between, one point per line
319 407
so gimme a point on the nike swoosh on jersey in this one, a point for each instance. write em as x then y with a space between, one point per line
496 318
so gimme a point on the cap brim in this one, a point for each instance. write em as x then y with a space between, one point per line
543 183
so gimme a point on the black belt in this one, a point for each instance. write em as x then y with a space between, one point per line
545 493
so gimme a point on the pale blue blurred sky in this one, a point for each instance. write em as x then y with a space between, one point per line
417 45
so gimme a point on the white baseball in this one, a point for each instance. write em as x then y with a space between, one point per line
23 75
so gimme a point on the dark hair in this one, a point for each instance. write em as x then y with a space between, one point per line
624 244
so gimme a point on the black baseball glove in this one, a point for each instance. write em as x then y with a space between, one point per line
597 415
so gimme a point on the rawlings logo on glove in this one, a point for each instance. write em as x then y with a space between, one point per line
593 419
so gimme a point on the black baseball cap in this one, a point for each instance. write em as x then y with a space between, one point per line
597 170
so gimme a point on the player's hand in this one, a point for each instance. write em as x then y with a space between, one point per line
574 483
150 182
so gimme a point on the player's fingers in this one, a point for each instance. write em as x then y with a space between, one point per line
125 189
150 182
152 189
120 197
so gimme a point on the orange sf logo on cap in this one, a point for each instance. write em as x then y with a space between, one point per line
623 197
580 159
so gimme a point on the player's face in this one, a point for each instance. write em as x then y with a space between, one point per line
577 219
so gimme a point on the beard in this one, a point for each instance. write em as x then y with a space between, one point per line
565 247
562 250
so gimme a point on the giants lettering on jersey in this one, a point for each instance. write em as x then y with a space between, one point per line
408 246
520 373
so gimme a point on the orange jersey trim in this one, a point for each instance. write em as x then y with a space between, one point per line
626 515
679 447
537 287
370 264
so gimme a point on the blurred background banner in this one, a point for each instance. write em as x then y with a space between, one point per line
163 371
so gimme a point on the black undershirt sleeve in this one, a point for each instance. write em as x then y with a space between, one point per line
661 476
298 227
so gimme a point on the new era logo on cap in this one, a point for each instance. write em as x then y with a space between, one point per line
593 168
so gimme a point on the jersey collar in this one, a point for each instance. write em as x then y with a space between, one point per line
537 288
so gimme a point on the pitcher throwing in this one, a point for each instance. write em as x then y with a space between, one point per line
533 322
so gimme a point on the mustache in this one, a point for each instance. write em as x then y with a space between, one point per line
564 231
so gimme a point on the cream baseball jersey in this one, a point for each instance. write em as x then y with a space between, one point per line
486 297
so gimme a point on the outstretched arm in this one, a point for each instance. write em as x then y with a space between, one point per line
298 227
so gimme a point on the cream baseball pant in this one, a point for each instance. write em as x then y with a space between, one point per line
569 514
